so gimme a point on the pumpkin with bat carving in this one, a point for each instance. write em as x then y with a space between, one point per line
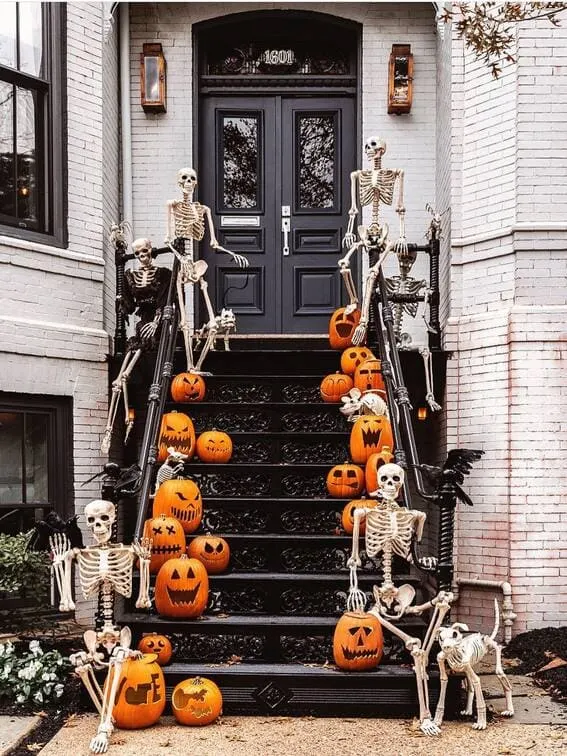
358 642
182 588
180 499
341 328
352 357
374 463
347 517
196 701
140 697
368 377
213 552
334 386
188 387
345 481
369 435
160 645
214 446
176 430
168 540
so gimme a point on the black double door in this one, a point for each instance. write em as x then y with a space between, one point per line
275 172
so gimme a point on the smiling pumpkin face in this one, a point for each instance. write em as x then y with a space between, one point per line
214 446
196 701
341 328
345 481
180 499
182 588
176 430
153 643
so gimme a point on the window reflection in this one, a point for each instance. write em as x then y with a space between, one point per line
240 161
316 138
8 36
7 182
25 145
11 433
30 38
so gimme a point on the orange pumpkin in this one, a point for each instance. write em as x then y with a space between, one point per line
188 387
345 481
358 642
334 386
176 430
180 499
168 540
182 588
153 643
352 357
140 699
211 551
196 701
369 435
214 446
347 517
374 463
368 376
341 328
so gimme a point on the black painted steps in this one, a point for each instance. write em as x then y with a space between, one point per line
315 690
289 361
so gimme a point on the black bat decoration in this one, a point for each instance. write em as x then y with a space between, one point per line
53 524
458 464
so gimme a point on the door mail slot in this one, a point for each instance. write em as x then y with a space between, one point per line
240 220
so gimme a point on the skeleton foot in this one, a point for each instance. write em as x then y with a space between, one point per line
506 713
67 606
105 443
429 727
99 744
467 712
350 308
479 726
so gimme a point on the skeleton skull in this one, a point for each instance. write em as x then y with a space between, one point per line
143 251
390 481
187 179
100 516
373 146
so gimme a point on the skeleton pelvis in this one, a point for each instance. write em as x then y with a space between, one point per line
194 271
396 599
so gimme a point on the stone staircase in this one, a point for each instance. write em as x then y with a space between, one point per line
266 637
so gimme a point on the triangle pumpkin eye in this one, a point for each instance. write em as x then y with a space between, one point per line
190 573
175 575
208 548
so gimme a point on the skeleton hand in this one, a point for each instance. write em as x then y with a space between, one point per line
428 562
401 247
60 545
142 548
240 260
359 334
348 240
147 331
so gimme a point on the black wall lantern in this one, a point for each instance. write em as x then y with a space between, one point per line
400 79
152 78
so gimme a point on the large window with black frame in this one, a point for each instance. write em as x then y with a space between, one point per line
32 126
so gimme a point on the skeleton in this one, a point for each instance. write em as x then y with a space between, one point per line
171 468
186 220
356 403
225 325
145 290
390 530
104 569
461 654
376 186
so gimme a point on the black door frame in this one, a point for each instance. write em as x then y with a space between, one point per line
220 22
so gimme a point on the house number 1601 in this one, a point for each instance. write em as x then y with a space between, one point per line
278 57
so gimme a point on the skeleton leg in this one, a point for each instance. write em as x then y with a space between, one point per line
87 675
211 335
428 368
99 744
360 331
506 686
473 681
118 385
356 600
129 416
444 677
143 551
183 323
468 710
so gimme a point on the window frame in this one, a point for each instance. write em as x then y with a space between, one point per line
52 125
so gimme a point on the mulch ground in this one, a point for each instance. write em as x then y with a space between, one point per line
543 656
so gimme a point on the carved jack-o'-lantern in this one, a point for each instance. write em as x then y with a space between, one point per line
347 517
188 387
182 588
368 376
374 463
369 435
214 446
358 641
345 481
352 357
180 499
176 430
211 551
140 698
334 386
341 328
168 540
153 643
196 701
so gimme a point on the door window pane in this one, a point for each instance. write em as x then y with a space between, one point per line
30 38
240 161
26 139
11 434
37 428
8 36
316 156
7 183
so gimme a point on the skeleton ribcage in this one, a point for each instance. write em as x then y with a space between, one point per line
471 652
380 184
189 220
111 565
385 527
143 278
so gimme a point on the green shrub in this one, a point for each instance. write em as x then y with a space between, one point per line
23 573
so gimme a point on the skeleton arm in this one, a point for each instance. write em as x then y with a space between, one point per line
142 549
62 566
240 260
356 600
400 209
359 334
349 238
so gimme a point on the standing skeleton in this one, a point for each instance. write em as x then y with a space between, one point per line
390 530
186 221
104 569
145 292
375 186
